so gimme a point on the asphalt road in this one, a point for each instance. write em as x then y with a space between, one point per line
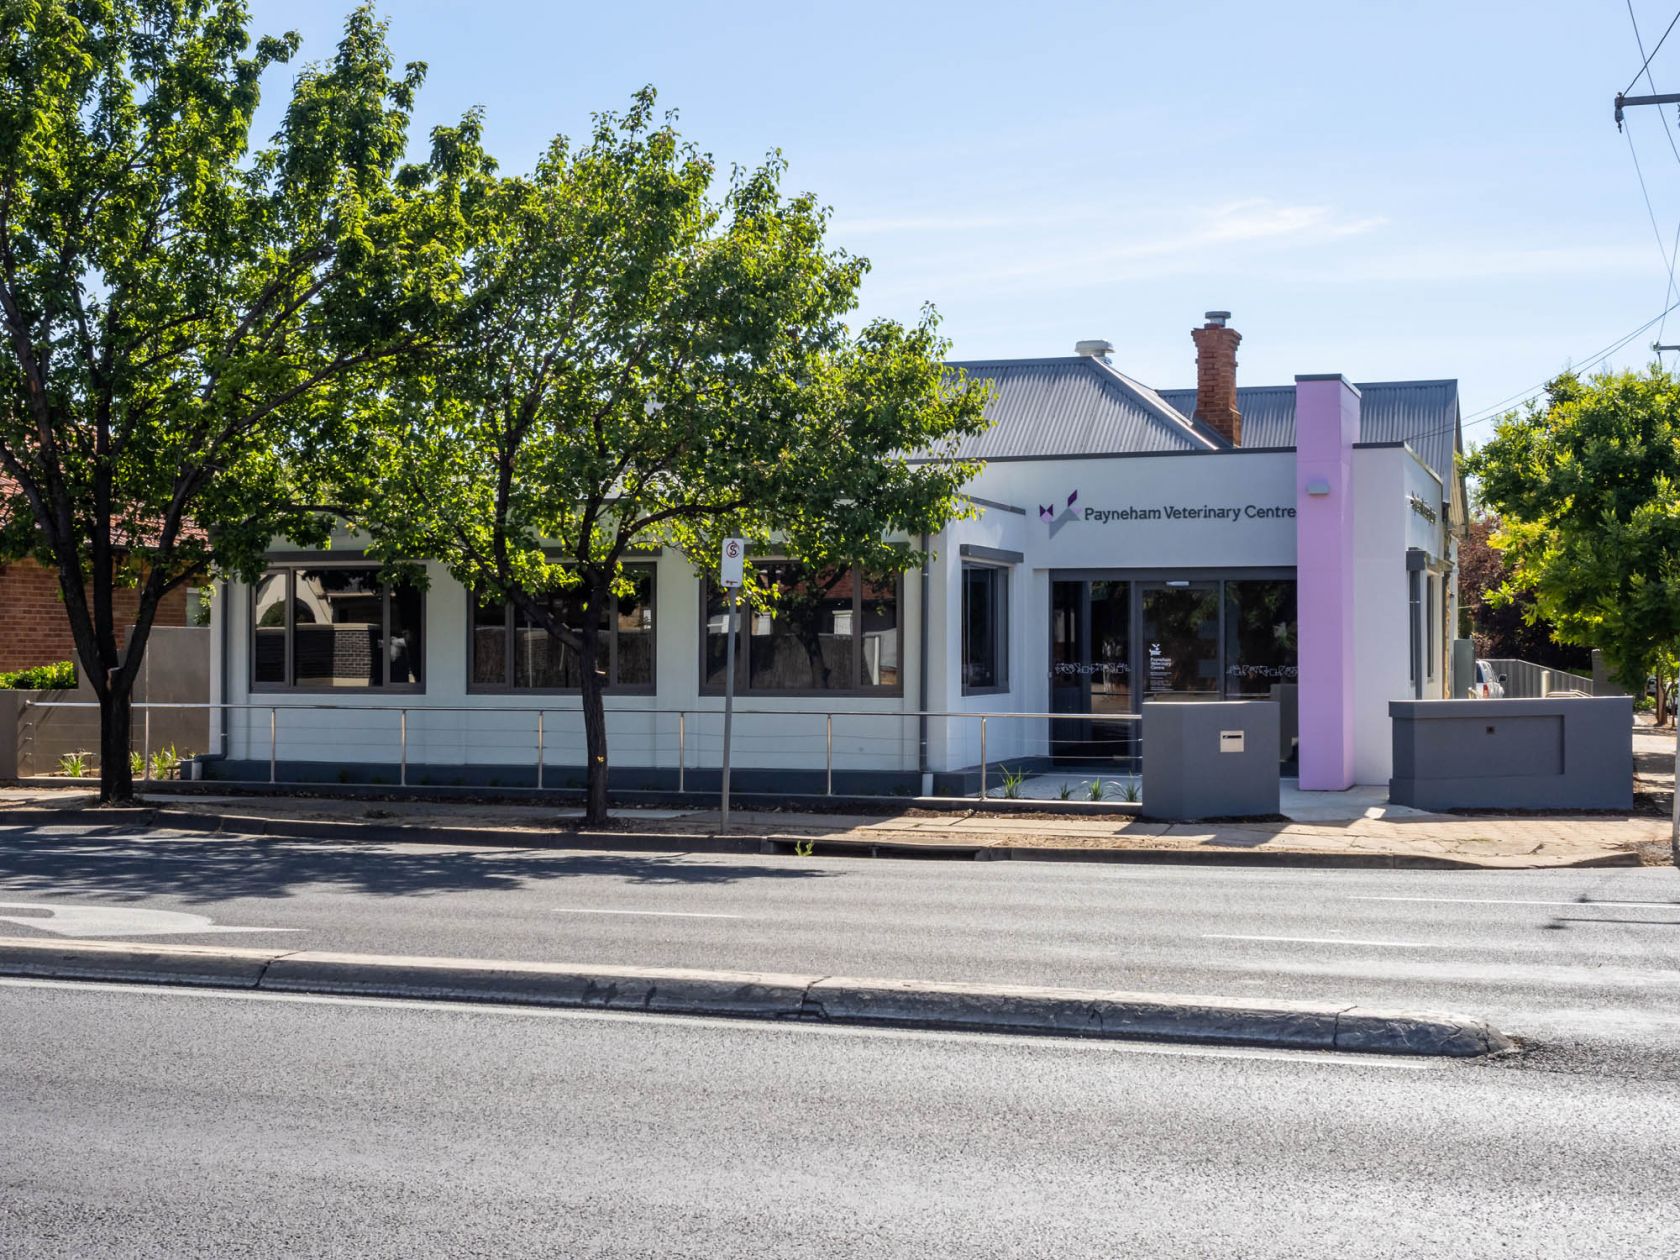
1557 956
146 1123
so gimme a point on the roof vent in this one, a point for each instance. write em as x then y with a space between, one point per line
1217 319
1095 349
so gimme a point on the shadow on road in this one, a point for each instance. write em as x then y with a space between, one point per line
123 867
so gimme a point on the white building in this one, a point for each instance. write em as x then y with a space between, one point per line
1295 542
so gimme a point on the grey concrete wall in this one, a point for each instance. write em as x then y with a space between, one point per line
1462 668
1603 684
176 670
1185 773
1557 753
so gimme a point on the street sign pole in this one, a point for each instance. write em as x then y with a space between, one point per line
734 551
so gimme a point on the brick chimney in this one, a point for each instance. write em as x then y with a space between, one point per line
1216 376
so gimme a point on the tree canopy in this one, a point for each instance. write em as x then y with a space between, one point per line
639 362
1507 627
1587 487
184 319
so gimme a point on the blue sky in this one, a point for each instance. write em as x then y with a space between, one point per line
1380 189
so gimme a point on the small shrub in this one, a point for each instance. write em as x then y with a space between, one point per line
1094 790
137 764
59 676
73 765
166 763
1130 793
804 848
1012 781
1066 792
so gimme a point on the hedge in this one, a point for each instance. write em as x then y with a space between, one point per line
59 676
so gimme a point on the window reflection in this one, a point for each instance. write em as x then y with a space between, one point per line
828 630
336 627
512 649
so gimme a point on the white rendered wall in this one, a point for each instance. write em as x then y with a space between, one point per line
1385 526
448 725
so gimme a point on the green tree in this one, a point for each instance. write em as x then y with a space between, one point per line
1506 628
1587 488
186 321
642 364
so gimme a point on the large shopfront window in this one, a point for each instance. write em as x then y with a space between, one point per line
512 651
828 631
1117 642
1260 638
335 628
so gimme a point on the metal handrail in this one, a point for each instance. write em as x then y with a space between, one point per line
549 708
274 709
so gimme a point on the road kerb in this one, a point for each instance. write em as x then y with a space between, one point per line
767 995
197 965
739 994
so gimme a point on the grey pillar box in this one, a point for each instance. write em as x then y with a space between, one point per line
1563 752
1217 759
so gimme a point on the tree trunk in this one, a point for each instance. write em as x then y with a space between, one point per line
116 716
594 707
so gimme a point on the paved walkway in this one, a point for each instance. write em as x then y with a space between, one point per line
1356 825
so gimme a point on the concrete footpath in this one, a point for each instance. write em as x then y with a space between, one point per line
770 996
1342 829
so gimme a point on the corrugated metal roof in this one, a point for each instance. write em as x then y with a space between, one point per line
1083 406
1268 412
1423 414
1075 406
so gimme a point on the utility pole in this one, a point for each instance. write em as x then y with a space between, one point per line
1622 102
1662 98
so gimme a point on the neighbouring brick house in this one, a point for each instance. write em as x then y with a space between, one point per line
34 629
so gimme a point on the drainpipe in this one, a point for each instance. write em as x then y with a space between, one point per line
1417 638
922 672
221 612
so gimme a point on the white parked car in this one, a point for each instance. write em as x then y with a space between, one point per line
1488 685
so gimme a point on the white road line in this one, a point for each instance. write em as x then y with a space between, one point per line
657 914
1081 1045
1321 940
1499 901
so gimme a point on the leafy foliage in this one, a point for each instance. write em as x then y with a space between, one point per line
1587 487
185 324
637 364
1505 628
58 676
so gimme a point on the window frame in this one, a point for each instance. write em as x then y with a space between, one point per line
743 645
612 686
291 568
1000 629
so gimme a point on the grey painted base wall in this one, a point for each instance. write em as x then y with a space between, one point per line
1187 775
1557 753
744 779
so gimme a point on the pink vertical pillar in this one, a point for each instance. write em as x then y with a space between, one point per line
1326 428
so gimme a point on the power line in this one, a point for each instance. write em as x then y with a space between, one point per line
1647 62
1668 134
1498 409
1662 251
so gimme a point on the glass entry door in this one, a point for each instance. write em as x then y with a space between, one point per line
1180 632
1091 669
